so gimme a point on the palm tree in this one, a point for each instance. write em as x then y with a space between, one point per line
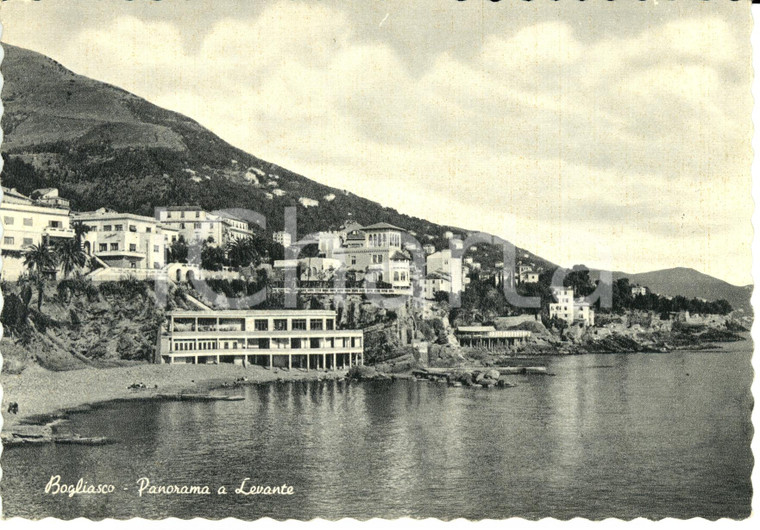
242 252
70 255
40 260
80 229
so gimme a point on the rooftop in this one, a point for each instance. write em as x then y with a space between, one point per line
241 313
383 226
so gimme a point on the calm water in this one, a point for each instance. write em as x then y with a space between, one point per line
610 435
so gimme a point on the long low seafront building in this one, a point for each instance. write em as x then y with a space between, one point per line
489 337
281 338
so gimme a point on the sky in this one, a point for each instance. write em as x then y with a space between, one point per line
613 134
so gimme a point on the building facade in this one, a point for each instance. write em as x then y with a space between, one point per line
28 222
489 337
569 309
306 339
375 252
196 225
283 238
125 240
435 282
638 290
445 264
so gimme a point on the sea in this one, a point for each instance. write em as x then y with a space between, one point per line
617 435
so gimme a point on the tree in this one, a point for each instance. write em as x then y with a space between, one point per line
212 258
70 255
40 260
580 281
178 251
80 229
243 252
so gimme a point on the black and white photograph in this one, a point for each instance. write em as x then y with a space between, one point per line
323 259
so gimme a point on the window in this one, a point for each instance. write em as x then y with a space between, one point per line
118 228
295 344
28 241
261 324
353 260
182 226
280 324
395 276
148 229
314 343
264 344
8 240
299 323
132 228
132 247
156 248
53 224
103 247
330 324
197 226
106 228
182 215
28 221
8 220
197 214
316 325
114 246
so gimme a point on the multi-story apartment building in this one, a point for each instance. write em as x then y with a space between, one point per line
196 225
569 309
376 250
638 290
283 238
125 240
284 338
444 263
435 282
529 276
28 222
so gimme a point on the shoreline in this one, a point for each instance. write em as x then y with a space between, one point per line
45 398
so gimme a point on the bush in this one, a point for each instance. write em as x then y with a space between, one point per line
13 366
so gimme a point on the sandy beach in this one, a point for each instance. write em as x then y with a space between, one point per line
43 393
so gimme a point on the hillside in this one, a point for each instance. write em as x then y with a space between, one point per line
102 146
691 284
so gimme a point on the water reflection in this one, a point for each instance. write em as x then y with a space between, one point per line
613 435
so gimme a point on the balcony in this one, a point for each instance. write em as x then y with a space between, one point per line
54 231
120 253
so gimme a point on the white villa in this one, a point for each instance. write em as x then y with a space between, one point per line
444 264
569 309
307 339
434 282
638 290
125 240
283 238
27 222
195 224
376 249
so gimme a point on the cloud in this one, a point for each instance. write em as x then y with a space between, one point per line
640 143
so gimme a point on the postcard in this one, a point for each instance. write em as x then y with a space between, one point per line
444 259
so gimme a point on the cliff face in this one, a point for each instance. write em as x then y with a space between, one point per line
81 325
